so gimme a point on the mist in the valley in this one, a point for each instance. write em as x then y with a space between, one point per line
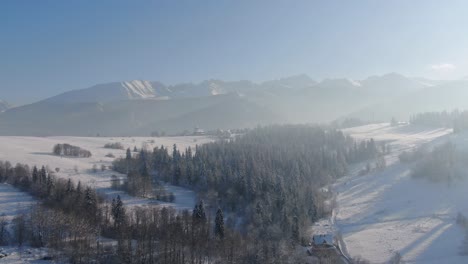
254 132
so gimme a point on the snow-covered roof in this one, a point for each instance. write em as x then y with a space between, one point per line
324 239
198 130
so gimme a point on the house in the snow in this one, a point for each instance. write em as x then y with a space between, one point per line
198 131
323 241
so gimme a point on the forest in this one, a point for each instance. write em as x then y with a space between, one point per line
267 181
258 194
80 226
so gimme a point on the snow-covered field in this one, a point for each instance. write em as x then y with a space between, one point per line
387 211
13 202
38 151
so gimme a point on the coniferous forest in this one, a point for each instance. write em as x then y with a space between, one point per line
258 194
268 181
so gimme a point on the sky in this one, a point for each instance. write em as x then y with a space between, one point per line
48 47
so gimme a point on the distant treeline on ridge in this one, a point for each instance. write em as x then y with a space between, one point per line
455 119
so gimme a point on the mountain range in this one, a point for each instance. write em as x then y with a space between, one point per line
141 107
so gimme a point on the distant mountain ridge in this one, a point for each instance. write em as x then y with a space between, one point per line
153 90
440 96
116 91
140 107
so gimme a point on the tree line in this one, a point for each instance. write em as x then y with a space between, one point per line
81 226
458 120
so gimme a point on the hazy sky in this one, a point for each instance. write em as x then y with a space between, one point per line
47 47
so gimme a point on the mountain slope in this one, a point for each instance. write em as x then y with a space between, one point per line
392 84
131 117
140 89
4 106
445 96
116 91
235 112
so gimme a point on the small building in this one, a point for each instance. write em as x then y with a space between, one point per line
323 240
198 131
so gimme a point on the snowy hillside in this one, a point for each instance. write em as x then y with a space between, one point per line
387 211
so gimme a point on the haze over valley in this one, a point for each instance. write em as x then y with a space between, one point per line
140 108
237 132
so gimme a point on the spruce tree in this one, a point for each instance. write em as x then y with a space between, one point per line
78 193
69 186
199 214
50 185
90 200
219 224
35 174
118 211
43 175
175 154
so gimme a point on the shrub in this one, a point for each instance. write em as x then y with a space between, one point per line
70 151
116 145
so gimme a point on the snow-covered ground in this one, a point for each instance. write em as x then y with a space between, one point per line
38 151
14 202
25 254
387 211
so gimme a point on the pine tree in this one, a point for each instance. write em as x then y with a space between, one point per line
70 187
219 224
35 174
78 193
43 175
90 200
175 154
177 174
199 214
129 154
295 229
118 211
50 185
144 167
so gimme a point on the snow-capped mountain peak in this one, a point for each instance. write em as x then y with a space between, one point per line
116 91
138 89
